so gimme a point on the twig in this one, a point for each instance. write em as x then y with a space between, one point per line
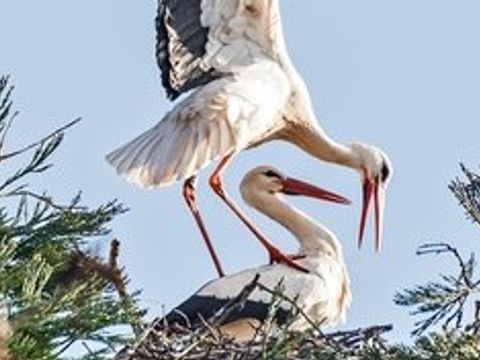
5 129
476 321
360 335
209 327
39 142
441 248
89 350
218 319
20 192
312 323
444 300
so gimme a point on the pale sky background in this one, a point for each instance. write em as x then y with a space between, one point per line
403 75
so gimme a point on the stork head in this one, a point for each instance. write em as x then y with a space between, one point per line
269 180
375 171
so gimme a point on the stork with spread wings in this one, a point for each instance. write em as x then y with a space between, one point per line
245 91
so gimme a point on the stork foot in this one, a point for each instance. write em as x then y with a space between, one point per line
292 257
296 257
276 256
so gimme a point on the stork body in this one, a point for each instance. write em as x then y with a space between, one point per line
246 91
323 294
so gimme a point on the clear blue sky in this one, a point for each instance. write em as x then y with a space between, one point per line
403 75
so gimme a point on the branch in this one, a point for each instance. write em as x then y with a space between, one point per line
40 142
292 302
83 265
468 193
444 300
466 267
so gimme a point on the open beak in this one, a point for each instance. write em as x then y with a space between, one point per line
293 186
372 188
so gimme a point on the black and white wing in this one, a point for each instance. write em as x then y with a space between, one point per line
181 40
308 290
201 40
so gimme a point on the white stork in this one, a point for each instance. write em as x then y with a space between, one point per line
246 91
323 294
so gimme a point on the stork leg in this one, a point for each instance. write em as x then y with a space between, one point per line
189 194
216 184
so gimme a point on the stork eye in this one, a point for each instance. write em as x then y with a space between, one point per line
271 173
384 172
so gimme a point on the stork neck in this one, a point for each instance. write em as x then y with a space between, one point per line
317 143
305 132
314 238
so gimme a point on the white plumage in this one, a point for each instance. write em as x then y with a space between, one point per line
213 121
231 112
323 293
246 91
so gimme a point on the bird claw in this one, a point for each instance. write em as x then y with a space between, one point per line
277 256
296 256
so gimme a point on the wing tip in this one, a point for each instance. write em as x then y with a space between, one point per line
177 78
137 175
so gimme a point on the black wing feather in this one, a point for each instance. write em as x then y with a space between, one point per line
181 41
198 308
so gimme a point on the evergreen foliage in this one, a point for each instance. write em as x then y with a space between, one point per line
446 300
55 295
449 301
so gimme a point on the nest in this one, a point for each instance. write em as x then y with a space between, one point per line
161 340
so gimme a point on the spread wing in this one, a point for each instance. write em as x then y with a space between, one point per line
201 40
222 117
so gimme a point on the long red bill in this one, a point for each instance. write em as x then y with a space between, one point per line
368 186
379 198
297 187
372 189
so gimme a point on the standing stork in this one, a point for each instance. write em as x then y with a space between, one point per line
246 91
323 294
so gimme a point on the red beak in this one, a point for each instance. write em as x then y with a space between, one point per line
296 187
372 189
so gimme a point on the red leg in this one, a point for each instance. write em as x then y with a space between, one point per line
190 198
216 183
